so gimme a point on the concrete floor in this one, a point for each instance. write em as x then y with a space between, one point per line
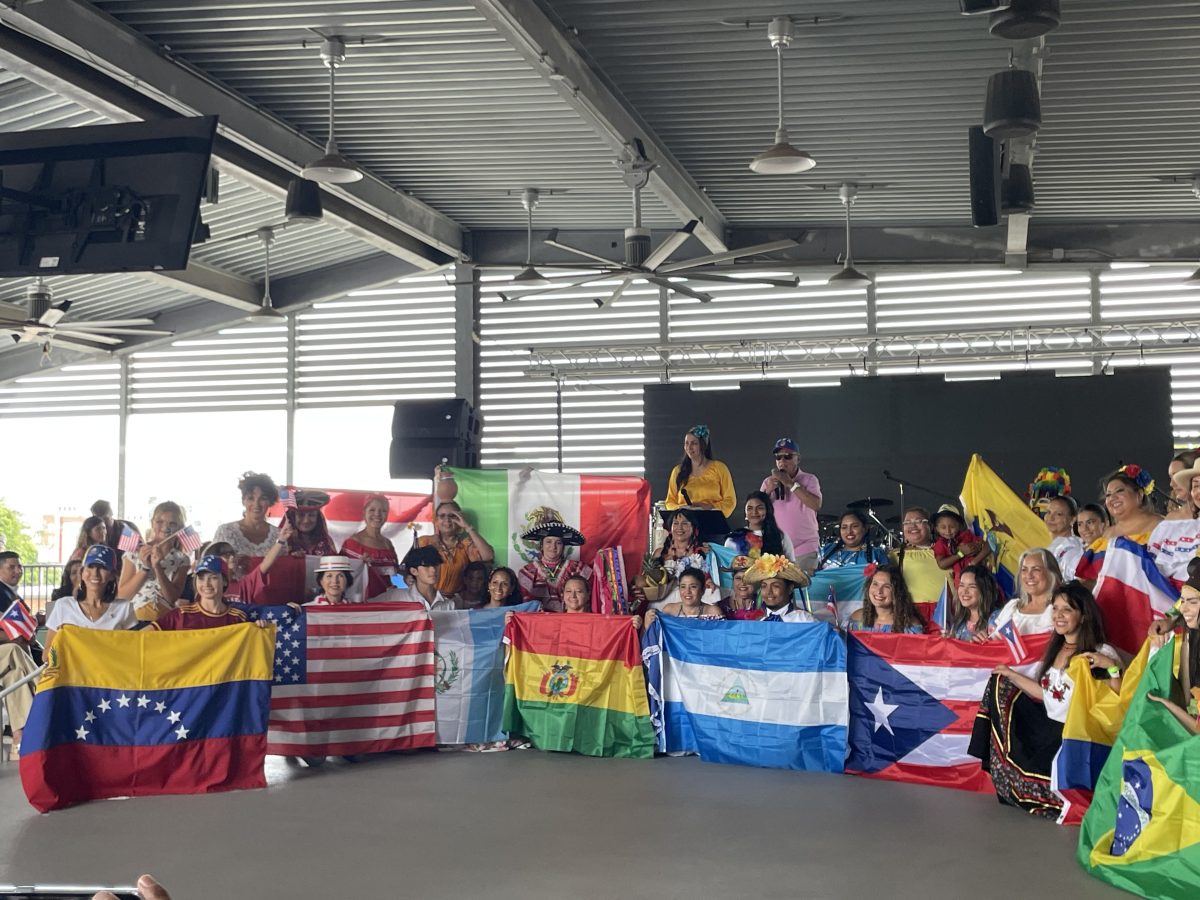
530 824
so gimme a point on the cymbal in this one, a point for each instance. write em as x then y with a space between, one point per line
892 520
826 519
870 503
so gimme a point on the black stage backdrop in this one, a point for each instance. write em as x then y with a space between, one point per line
922 429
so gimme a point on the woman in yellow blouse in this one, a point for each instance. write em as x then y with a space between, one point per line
699 480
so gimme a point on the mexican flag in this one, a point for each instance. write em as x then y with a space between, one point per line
610 510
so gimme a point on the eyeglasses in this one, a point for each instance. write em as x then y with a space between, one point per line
908 522
785 456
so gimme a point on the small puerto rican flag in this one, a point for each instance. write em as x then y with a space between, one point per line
287 497
1012 637
189 541
129 540
18 622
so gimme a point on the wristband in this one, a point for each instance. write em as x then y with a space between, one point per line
959 553
1114 671
281 543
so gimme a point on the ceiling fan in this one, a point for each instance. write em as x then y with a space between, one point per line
641 262
41 322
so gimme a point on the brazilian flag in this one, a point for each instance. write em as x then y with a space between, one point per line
1142 832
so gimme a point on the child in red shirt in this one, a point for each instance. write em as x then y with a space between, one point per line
956 547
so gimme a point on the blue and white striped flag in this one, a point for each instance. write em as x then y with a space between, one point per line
753 693
470 673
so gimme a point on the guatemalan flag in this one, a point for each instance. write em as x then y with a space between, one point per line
470 673
749 693
913 702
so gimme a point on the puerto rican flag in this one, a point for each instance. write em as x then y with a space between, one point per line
17 622
913 702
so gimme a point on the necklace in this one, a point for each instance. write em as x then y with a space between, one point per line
699 612
448 552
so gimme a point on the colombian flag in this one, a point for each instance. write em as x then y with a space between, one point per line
1142 832
575 682
136 713
1002 518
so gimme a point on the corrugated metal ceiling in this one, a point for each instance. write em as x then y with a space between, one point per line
436 102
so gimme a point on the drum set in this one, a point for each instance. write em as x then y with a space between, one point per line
885 533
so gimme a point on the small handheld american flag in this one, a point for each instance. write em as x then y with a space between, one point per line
1012 637
287 498
129 540
189 541
18 622
831 605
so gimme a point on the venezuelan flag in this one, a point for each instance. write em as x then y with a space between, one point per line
575 682
1142 832
998 515
136 713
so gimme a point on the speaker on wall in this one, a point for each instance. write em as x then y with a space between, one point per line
984 159
425 432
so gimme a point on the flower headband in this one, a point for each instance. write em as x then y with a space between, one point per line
1139 476
700 431
870 570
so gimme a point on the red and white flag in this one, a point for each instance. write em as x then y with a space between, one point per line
18 622
350 679
189 541
129 540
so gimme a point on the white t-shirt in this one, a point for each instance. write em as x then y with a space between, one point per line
1057 687
1173 544
1067 551
412 595
119 616
1038 623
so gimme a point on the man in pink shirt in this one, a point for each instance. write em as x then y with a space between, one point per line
797 499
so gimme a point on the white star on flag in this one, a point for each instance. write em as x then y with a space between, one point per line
104 706
882 711
174 717
89 716
181 732
82 733
123 701
295 645
143 701
160 707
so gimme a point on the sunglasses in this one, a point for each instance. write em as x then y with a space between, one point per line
785 456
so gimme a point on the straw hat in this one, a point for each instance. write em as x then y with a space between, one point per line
771 566
334 564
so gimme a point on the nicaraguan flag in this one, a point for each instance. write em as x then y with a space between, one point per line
754 693
470 673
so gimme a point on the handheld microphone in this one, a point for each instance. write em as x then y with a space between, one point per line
686 498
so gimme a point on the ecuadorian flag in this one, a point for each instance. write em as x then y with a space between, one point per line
1002 518
575 682
1142 832
136 713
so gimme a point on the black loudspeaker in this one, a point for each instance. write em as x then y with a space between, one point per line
984 157
425 432
1017 193
1013 107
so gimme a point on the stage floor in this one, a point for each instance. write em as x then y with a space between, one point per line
530 824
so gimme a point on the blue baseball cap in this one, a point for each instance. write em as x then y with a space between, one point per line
786 444
100 555
213 564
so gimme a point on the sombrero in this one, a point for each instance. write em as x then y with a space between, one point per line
771 566
546 522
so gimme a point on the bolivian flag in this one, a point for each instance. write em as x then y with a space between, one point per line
575 682
1142 832
135 713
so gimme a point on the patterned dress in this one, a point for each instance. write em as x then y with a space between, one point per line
545 583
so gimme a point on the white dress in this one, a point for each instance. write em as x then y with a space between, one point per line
119 616
1067 551
1057 687
1173 544
231 533
1039 623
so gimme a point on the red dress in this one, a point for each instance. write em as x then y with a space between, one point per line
381 565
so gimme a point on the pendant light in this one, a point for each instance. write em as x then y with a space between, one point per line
529 276
267 315
781 158
332 168
848 277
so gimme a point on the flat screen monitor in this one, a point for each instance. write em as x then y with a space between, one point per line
102 198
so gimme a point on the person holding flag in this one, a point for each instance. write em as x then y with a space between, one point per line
210 609
96 604
334 577
1188 715
889 607
690 605
1038 580
17 629
1019 726
978 605
369 542
310 535
153 577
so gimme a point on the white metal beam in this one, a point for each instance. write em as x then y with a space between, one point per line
551 53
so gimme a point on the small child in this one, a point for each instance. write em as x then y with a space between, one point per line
956 546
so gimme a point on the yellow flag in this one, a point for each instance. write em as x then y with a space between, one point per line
1002 518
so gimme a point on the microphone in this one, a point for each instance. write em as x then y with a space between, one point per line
686 498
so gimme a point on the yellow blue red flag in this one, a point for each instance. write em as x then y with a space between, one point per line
1002 518
135 713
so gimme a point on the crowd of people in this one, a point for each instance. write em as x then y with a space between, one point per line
118 579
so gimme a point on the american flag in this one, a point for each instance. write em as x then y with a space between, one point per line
353 678
1012 637
18 622
189 541
831 605
129 540
287 498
